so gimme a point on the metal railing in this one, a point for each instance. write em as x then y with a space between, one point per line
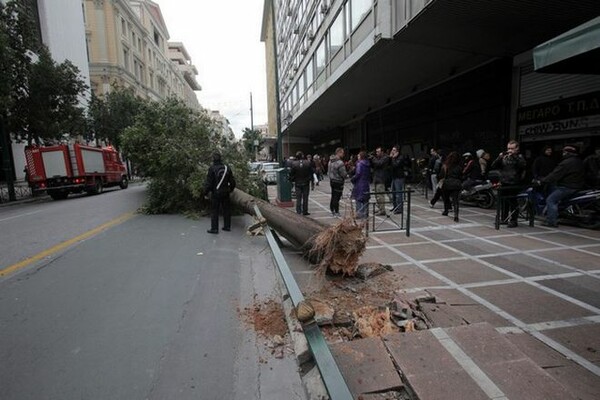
395 218
332 377
22 191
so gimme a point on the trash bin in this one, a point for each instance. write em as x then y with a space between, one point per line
284 188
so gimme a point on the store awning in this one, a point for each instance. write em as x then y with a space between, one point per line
574 52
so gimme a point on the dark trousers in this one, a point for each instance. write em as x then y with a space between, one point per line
451 199
337 188
302 191
509 202
220 201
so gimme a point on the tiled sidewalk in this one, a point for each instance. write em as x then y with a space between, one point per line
539 287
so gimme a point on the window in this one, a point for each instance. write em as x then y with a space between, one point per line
321 57
308 72
336 34
347 15
360 8
123 27
126 58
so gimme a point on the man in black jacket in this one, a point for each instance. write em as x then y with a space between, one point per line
567 178
219 182
301 174
512 171
400 170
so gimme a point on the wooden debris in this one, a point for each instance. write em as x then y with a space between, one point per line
339 247
371 322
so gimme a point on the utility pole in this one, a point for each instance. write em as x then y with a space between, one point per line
7 166
251 114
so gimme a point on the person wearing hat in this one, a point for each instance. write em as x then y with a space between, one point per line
566 179
219 182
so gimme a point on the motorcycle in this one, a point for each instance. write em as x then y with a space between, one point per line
481 195
581 209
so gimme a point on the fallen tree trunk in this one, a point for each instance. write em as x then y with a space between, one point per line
336 248
299 230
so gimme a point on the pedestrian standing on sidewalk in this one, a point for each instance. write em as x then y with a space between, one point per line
361 190
512 171
220 183
380 163
451 174
400 169
336 171
301 175
435 178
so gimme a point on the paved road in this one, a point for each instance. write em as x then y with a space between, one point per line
146 309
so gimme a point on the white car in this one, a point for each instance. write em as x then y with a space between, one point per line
268 172
254 168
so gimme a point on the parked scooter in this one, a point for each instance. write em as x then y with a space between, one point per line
582 209
481 195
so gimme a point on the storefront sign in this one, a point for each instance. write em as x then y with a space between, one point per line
571 114
562 125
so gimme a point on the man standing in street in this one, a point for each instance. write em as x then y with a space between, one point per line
380 165
219 182
566 179
512 171
301 174
336 171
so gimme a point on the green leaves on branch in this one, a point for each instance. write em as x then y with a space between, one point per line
38 97
111 114
172 145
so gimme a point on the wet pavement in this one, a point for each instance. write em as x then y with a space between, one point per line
517 311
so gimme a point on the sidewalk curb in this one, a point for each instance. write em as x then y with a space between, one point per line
311 379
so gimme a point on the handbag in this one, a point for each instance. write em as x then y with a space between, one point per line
452 184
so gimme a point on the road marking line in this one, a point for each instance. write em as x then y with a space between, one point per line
48 252
20 215
468 365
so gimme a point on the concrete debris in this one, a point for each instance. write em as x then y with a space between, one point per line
323 313
370 270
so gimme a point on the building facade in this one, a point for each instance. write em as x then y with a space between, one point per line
455 74
128 46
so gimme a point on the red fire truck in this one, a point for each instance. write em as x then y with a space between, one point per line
74 168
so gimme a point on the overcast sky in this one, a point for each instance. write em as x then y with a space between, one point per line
223 39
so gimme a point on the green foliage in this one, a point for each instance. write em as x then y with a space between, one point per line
39 97
248 138
172 146
110 115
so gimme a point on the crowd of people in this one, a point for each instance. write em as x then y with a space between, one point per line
385 176
449 175
388 173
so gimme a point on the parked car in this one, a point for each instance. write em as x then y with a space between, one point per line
268 172
254 168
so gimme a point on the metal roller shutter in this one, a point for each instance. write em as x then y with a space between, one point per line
539 88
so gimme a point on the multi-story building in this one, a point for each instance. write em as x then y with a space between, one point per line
60 26
128 46
455 74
